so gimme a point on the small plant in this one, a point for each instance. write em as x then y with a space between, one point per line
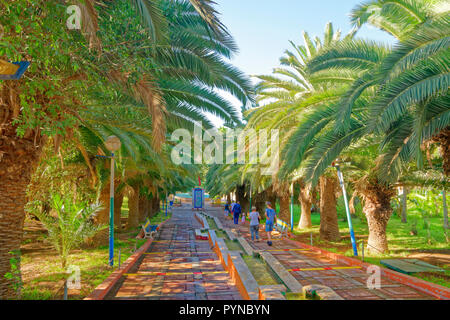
14 274
69 226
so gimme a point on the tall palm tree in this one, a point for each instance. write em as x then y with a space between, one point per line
290 93
168 75
383 93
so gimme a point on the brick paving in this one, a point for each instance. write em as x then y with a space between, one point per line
177 252
350 284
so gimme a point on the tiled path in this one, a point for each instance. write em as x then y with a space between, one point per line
177 267
348 283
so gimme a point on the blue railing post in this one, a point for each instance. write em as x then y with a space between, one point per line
111 215
347 210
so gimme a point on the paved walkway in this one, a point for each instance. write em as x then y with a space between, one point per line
350 284
177 267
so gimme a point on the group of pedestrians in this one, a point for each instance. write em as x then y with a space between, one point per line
235 210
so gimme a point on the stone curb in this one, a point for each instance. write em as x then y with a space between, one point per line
222 252
202 220
287 278
247 248
212 237
218 223
230 234
435 290
324 292
241 275
106 286
272 292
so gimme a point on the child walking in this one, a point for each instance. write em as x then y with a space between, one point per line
254 224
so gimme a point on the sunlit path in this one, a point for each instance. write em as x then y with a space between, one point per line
177 267
310 268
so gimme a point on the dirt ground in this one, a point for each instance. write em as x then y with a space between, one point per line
39 259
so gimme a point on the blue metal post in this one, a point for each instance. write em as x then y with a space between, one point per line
111 215
166 204
349 218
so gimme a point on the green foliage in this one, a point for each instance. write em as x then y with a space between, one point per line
34 31
14 274
70 225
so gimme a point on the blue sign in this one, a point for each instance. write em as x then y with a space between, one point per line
198 197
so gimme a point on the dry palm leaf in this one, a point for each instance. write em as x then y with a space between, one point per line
89 22
147 93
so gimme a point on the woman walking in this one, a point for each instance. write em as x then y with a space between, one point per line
270 220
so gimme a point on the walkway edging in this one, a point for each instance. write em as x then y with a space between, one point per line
106 286
432 289
285 276
272 292
241 275
324 292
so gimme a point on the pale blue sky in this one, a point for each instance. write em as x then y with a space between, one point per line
263 28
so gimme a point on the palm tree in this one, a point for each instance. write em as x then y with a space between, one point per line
396 17
379 96
288 94
152 69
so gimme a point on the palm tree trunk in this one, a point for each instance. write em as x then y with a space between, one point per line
378 210
133 206
118 201
150 207
155 205
12 201
101 238
143 208
329 228
260 202
404 205
315 200
271 197
443 138
245 203
158 204
240 194
285 213
305 204
19 158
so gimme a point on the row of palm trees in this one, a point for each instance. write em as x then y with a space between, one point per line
377 110
137 69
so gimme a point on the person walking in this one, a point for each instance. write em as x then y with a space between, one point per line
254 224
232 206
270 220
236 212
227 209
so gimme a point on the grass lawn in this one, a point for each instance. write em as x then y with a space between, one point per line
429 245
